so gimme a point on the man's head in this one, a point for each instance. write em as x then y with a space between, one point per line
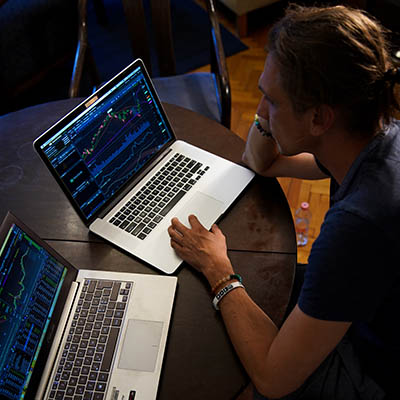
338 57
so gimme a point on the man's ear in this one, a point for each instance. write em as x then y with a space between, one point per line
322 119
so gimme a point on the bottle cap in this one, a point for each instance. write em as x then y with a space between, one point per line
305 205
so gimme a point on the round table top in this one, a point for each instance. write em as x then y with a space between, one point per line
200 361
260 221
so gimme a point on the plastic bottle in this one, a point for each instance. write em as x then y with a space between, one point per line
302 219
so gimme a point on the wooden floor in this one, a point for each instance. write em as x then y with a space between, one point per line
244 71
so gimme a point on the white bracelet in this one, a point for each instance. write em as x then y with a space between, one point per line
218 297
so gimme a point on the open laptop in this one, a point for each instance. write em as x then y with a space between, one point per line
69 334
118 161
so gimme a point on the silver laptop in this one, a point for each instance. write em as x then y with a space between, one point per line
69 334
118 161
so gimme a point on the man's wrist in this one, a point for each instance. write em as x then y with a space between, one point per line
225 280
214 273
262 125
223 292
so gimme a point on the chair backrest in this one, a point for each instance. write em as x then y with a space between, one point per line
161 34
161 27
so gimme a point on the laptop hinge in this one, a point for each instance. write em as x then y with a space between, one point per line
57 341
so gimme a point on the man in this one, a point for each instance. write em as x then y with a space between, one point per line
327 110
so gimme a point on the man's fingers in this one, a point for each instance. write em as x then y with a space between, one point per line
194 222
174 234
215 229
178 226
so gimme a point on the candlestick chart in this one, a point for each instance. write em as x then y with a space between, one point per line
109 144
116 144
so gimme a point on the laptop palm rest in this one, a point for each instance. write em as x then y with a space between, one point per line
206 208
141 345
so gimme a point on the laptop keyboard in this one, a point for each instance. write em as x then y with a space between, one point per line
84 368
147 208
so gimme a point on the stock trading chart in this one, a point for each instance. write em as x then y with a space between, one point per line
29 282
98 154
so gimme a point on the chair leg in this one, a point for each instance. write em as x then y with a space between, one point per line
83 60
77 70
83 54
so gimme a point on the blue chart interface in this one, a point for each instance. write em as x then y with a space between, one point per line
97 154
30 280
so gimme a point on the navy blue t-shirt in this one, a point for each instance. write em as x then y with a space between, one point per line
353 271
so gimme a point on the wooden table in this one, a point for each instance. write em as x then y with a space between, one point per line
200 362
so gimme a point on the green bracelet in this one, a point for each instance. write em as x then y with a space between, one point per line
237 276
262 130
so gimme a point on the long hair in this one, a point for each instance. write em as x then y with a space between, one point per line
337 56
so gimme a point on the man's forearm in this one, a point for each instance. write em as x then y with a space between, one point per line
262 156
260 151
251 332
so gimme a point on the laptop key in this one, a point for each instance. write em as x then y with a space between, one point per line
62 385
93 375
110 348
92 286
80 389
70 391
103 376
130 227
115 291
157 219
172 203
100 387
124 224
138 229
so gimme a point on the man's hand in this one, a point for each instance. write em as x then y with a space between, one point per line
204 250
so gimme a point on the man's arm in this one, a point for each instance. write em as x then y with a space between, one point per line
262 156
277 361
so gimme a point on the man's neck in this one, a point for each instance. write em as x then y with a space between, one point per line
339 151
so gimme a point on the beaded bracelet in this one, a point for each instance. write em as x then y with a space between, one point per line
226 279
218 297
258 125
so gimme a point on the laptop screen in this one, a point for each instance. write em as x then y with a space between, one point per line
121 128
30 283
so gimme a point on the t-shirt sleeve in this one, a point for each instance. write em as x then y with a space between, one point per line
346 277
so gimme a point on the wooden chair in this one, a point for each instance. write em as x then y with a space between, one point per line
83 55
206 93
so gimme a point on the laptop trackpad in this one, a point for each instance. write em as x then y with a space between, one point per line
141 345
206 208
